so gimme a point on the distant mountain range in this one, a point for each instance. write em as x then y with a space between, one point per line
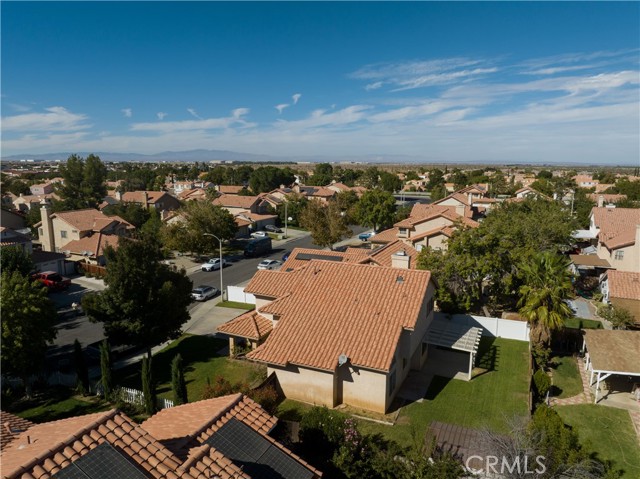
224 155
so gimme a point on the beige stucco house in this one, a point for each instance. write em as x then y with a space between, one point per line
340 333
617 232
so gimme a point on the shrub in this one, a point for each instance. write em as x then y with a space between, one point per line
322 431
542 382
267 397
220 387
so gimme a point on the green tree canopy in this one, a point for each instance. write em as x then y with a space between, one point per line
14 258
268 178
145 302
134 213
376 209
84 182
296 203
28 318
325 222
322 175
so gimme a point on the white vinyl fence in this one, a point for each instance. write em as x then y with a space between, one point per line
236 293
134 396
496 327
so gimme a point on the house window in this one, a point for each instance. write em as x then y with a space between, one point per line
63 234
619 255
403 231
392 383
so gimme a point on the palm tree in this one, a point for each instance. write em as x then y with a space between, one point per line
547 286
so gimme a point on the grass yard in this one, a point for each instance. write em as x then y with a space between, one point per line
57 403
490 399
581 323
236 305
201 360
566 377
608 431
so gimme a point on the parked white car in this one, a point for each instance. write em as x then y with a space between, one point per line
269 264
203 292
259 234
213 264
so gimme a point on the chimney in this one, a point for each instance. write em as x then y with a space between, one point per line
600 201
146 199
470 199
118 195
47 239
400 259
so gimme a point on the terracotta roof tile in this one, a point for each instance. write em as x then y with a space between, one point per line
272 284
617 225
385 236
340 308
230 189
624 285
89 219
383 256
236 201
294 261
250 325
96 243
12 426
139 196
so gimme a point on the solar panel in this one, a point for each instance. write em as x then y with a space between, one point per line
310 256
255 454
103 462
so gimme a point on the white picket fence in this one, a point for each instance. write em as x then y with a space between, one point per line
134 396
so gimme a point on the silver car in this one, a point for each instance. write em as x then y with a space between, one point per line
269 264
213 264
203 292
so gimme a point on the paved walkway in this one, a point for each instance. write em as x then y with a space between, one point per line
584 397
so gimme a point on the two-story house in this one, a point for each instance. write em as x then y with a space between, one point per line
617 233
341 333
159 200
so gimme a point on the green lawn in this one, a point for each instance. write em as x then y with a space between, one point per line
201 361
57 403
608 431
489 399
581 323
566 377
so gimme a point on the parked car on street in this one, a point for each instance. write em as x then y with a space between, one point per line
259 234
366 236
203 292
214 264
52 280
273 229
269 264
285 256
257 247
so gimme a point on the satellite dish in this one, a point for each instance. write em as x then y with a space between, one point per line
342 359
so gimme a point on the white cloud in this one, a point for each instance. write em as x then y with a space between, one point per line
127 112
194 114
201 124
373 86
56 118
281 107
296 97
161 115
20 108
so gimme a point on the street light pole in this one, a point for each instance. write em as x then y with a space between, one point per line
221 265
286 206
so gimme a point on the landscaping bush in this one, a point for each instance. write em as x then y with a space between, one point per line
220 387
542 382
322 431
267 397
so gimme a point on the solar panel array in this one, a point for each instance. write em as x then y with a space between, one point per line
103 462
310 256
255 454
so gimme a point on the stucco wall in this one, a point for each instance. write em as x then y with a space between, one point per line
362 388
306 385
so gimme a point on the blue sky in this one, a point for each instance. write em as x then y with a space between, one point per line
439 81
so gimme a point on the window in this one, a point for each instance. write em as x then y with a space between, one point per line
619 254
63 234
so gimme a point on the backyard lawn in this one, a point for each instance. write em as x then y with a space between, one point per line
607 430
490 399
56 403
566 377
201 361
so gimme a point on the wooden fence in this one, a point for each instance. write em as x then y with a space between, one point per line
93 269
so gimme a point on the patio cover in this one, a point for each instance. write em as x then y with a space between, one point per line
589 261
612 352
455 336
584 234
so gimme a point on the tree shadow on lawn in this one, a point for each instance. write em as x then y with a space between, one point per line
193 349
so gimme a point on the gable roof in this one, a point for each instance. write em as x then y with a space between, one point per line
383 255
300 257
95 243
617 225
89 219
421 213
152 197
340 308
230 189
624 284
250 325
385 236
236 201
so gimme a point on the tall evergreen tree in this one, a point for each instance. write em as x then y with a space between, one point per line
178 384
148 386
105 369
81 368
84 182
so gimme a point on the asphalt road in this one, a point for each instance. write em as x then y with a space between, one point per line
241 269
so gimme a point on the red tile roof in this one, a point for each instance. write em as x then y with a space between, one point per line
352 256
236 201
383 256
96 243
617 225
139 196
385 236
89 219
339 308
624 285
12 427
250 325
230 189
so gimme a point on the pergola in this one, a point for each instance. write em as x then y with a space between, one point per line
455 336
611 352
